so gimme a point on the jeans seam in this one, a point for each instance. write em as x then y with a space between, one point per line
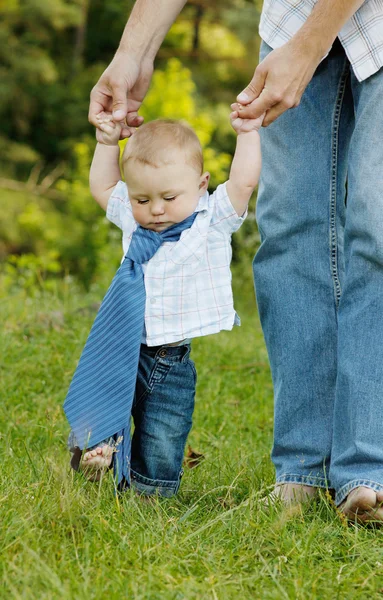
190 363
155 482
344 491
333 187
302 479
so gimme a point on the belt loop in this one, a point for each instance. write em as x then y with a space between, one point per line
186 353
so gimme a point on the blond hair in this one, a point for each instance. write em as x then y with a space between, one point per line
150 142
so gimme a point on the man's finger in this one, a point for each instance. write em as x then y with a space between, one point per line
258 106
120 101
126 132
95 108
134 120
277 110
273 114
255 87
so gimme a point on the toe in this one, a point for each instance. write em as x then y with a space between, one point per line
292 493
107 451
362 499
363 505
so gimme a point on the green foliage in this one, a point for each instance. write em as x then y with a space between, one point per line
70 235
30 273
51 54
173 94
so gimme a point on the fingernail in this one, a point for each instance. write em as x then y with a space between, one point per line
119 115
243 97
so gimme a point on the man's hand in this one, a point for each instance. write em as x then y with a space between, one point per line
279 82
123 85
121 90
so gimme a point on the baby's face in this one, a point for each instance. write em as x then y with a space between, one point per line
164 195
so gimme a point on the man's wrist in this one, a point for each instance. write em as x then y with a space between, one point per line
322 26
131 51
313 46
147 26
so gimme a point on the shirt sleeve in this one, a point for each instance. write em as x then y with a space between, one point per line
119 209
224 214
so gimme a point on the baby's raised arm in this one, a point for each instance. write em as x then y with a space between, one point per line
105 170
246 164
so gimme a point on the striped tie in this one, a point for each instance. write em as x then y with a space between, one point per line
100 397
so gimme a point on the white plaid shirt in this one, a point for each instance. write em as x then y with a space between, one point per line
188 283
361 36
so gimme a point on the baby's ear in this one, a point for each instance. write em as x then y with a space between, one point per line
204 183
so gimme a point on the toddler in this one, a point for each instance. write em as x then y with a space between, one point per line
186 293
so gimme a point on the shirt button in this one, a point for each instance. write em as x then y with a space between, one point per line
152 300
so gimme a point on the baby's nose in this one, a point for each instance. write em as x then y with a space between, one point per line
158 207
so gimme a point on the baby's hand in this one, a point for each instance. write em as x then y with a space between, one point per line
108 131
244 125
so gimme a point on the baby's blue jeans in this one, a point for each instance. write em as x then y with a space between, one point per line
162 415
319 279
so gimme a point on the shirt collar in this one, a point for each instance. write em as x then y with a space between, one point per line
203 203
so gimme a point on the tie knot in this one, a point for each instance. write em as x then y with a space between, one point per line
144 245
146 242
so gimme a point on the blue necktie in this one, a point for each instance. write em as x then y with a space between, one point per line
100 397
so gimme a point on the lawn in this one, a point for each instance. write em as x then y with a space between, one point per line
63 537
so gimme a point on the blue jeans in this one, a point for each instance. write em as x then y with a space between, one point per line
319 279
162 415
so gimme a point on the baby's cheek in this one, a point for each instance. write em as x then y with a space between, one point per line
187 207
139 214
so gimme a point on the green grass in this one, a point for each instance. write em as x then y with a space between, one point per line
62 537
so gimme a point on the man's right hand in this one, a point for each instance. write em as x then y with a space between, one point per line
121 90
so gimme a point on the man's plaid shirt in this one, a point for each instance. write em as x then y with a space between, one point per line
188 283
361 36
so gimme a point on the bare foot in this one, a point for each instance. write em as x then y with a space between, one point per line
291 493
363 505
95 462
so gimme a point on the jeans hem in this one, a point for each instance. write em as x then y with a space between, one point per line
311 480
154 487
344 491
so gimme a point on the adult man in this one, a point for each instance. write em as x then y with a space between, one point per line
319 270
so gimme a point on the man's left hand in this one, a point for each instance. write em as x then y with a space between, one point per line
279 81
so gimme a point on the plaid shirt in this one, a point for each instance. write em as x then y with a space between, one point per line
188 283
361 36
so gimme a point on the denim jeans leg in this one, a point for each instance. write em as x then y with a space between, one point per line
298 269
357 448
162 416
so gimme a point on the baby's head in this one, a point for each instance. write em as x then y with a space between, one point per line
163 168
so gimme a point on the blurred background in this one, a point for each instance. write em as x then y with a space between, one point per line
52 52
